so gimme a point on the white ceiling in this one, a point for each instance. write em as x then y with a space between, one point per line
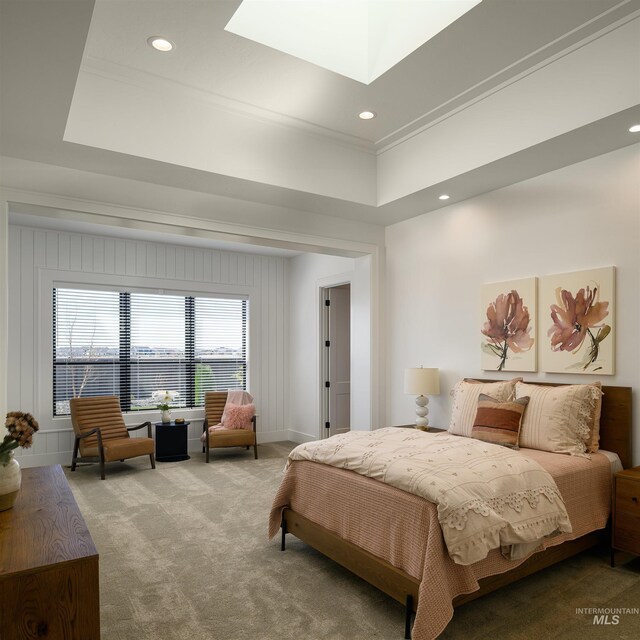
494 41
47 45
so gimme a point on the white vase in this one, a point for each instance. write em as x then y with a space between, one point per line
166 415
10 479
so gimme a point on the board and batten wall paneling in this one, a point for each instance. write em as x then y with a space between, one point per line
40 257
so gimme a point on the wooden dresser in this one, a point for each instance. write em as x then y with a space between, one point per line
48 563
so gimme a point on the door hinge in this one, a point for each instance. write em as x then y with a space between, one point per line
327 303
327 384
327 343
327 425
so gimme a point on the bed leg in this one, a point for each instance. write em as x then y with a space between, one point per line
283 527
407 617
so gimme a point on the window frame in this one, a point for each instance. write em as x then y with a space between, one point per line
125 362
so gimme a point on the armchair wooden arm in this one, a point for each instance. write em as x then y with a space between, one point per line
90 433
76 444
140 426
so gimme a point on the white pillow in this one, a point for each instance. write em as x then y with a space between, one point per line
559 419
465 401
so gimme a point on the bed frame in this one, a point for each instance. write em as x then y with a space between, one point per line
615 435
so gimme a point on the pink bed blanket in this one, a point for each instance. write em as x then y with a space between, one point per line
403 529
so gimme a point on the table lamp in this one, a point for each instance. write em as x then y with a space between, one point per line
422 382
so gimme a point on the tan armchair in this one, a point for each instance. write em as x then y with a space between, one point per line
214 402
101 432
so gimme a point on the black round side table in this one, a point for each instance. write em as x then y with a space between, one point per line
171 441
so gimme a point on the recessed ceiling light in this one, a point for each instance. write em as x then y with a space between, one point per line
161 44
444 196
635 128
366 115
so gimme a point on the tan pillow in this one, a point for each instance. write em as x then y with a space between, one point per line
559 419
465 401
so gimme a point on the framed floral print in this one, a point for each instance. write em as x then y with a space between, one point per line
508 325
577 322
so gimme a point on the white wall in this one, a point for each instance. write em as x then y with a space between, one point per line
308 273
4 304
579 217
38 258
363 351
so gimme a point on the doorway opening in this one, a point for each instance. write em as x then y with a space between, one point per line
336 359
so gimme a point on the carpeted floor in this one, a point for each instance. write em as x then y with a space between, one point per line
184 555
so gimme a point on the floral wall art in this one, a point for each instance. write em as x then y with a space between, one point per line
577 317
508 325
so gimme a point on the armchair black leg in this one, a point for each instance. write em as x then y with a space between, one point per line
207 453
153 461
75 455
255 451
102 476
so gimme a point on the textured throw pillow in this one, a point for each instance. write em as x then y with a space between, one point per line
594 426
238 416
465 401
560 419
499 422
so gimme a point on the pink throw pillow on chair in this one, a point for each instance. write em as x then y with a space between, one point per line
238 416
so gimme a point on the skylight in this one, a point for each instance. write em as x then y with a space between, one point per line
360 39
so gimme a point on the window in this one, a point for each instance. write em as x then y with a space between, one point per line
132 344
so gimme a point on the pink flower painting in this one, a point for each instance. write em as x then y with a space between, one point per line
507 328
577 317
578 311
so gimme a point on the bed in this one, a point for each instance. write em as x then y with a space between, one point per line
392 539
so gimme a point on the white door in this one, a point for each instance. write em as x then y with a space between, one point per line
338 346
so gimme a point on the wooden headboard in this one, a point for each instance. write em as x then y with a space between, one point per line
615 420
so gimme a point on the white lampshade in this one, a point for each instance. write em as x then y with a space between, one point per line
422 382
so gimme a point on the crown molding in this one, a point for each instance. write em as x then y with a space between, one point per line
483 89
151 82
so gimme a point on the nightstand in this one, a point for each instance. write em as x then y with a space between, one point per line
626 512
413 426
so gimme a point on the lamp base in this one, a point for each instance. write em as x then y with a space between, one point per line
422 412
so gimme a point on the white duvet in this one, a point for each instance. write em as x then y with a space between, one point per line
487 496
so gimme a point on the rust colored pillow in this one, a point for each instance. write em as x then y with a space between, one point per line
238 416
499 422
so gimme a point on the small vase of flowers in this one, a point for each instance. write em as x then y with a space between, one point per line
163 399
21 427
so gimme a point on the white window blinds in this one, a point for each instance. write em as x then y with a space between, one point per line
133 344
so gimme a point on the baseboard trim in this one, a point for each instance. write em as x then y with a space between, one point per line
45 459
300 438
194 445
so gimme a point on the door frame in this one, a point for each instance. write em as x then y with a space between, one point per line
324 284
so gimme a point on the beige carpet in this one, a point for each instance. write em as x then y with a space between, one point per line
184 555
